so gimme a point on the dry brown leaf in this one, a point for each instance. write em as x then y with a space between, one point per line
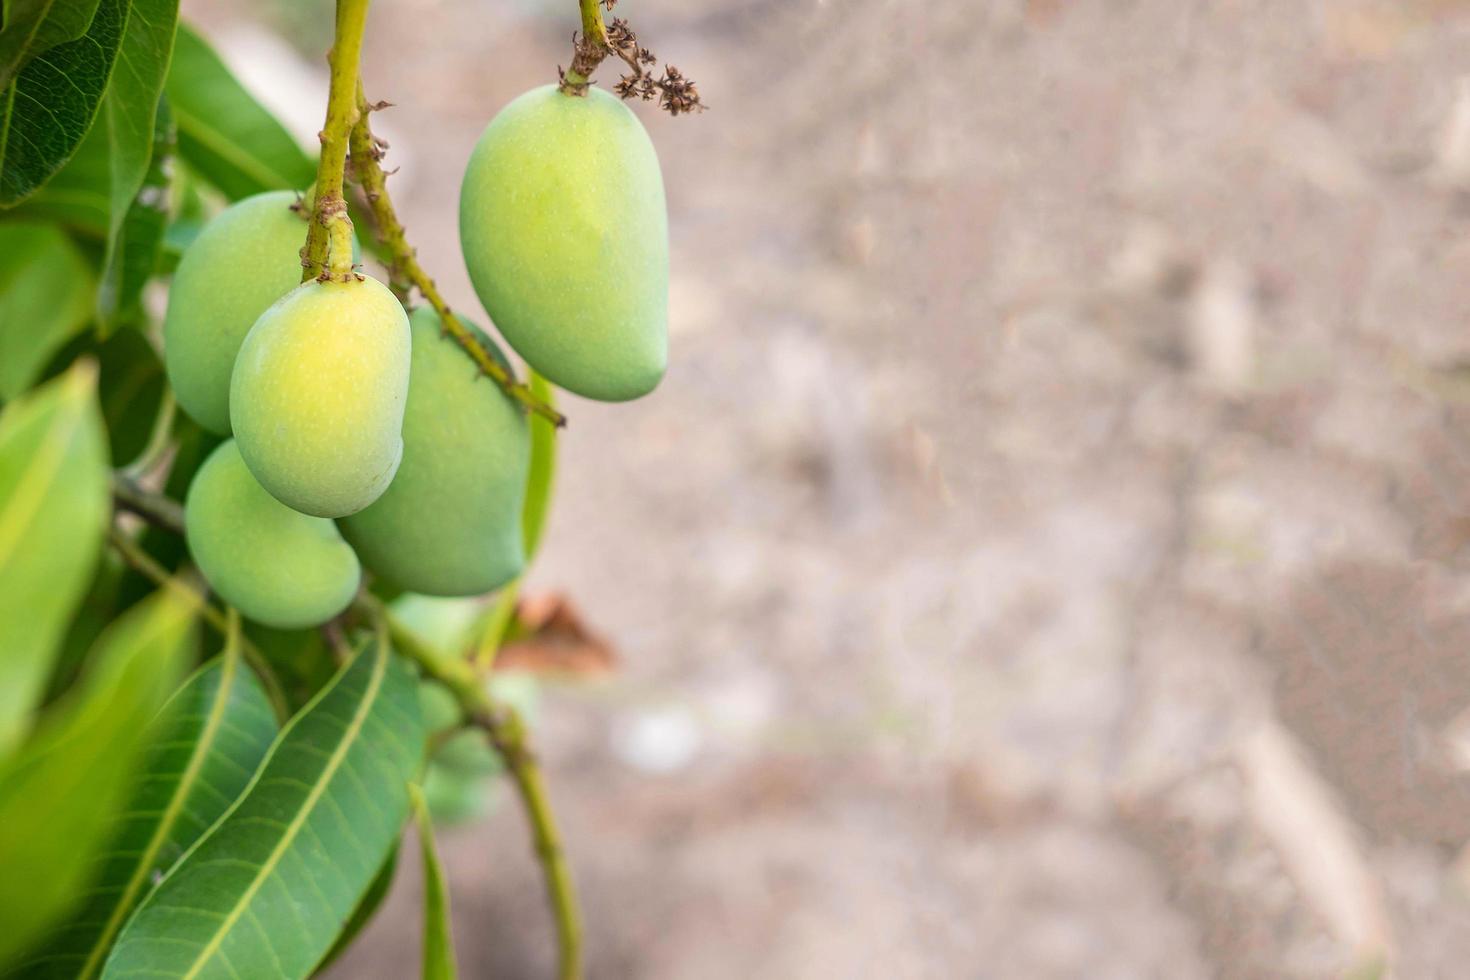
549 636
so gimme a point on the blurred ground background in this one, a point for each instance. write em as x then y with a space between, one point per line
1047 556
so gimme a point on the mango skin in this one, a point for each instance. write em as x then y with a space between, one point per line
450 522
318 393
564 230
278 567
243 261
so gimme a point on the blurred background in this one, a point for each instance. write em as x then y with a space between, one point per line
1047 555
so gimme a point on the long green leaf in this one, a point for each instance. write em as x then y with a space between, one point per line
46 290
203 749
53 512
116 186
130 390
129 118
228 137
265 892
48 107
33 26
542 477
367 907
60 795
438 937
138 241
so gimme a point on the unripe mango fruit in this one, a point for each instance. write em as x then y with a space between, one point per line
318 392
278 567
450 522
564 231
243 261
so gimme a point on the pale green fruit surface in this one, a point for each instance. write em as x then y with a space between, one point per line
277 566
243 261
564 230
450 522
318 393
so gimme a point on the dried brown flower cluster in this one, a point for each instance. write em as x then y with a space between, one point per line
675 92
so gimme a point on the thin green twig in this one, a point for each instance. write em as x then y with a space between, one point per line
506 731
155 508
405 270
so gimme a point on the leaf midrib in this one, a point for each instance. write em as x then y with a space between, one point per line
228 670
334 762
221 145
20 54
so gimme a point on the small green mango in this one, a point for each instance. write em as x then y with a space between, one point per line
450 523
564 231
278 567
243 261
318 393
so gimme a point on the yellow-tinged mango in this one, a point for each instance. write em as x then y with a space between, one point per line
318 393
564 230
277 566
243 261
450 522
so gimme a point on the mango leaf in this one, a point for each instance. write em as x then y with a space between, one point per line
438 939
265 892
48 107
367 907
60 794
53 512
203 748
499 616
33 26
131 390
46 290
229 138
542 476
77 194
139 143
115 187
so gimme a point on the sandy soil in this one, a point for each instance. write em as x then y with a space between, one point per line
1047 556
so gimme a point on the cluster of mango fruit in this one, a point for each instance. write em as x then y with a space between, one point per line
363 437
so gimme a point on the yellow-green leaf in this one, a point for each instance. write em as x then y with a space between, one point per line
53 513
203 749
60 794
438 937
542 475
46 290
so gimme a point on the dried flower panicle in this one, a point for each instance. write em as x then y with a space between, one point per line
676 93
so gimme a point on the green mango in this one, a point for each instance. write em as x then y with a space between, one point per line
318 393
450 522
564 231
278 567
243 261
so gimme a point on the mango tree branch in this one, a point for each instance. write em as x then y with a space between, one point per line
507 732
405 269
155 508
330 209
